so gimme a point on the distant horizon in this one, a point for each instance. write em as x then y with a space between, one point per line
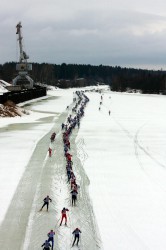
104 65
125 33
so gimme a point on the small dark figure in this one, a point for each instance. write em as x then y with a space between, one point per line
76 234
46 200
62 126
46 245
53 137
109 112
74 197
50 152
68 169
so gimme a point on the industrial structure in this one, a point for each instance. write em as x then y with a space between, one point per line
22 88
22 80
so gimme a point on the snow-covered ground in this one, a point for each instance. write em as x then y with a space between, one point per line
123 155
126 165
18 139
3 86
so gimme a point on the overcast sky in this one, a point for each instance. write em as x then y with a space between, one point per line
126 33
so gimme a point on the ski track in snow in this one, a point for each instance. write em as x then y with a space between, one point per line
137 147
26 227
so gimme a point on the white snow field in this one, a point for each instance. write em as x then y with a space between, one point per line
119 162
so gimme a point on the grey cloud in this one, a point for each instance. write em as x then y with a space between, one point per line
96 36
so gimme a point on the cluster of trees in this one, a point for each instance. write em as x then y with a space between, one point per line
76 75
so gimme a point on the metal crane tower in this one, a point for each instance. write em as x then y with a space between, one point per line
22 79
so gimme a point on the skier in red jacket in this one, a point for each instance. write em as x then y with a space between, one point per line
64 216
50 152
69 157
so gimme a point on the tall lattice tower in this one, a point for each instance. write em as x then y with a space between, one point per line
22 79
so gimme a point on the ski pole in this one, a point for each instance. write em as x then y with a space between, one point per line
57 222
72 241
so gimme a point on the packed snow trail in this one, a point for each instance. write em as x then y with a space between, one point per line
79 216
26 227
17 216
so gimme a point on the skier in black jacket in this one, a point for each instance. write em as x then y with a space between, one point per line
46 245
46 200
76 234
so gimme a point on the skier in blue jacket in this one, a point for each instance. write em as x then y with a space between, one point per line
51 238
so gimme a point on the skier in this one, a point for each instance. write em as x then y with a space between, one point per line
69 157
68 169
72 180
74 196
68 143
50 151
64 210
76 187
51 238
62 126
53 137
46 200
109 112
65 149
46 245
76 234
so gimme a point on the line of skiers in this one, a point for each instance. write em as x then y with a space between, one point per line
101 102
46 245
68 127
71 123
52 139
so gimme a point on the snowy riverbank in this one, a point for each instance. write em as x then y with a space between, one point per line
123 156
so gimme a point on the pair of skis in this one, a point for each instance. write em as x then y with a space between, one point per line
75 246
64 225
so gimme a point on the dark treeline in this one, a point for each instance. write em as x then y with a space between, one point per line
78 75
